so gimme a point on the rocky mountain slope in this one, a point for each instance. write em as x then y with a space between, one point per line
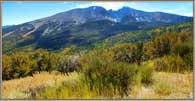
83 27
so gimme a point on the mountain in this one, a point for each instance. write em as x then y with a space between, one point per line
96 13
127 14
83 27
6 26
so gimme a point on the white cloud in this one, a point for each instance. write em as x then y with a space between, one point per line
106 5
114 5
19 2
189 14
179 10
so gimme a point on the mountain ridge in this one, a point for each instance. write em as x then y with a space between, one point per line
83 26
110 10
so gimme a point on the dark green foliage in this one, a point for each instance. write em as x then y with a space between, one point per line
22 65
67 61
183 48
185 51
139 52
129 53
46 61
188 59
125 53
161 45
6 68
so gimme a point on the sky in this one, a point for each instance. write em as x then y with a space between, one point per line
14 13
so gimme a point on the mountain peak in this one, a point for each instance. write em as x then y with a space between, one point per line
126 8
96 7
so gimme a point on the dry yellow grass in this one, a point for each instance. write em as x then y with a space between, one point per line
165 85
15 89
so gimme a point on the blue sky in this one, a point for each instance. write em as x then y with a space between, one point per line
20 12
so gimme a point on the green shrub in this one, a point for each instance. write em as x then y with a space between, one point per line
103 73
131 53
188 59
22 65
46 61
171 64
68 63
185 51
7 70
182 49
146 73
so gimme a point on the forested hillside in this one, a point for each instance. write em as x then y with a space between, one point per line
145 35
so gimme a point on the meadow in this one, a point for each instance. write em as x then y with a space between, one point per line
49 86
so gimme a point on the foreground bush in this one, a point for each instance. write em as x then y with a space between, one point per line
147 70
102 72
172 64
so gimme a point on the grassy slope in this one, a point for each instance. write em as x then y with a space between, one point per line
165 85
